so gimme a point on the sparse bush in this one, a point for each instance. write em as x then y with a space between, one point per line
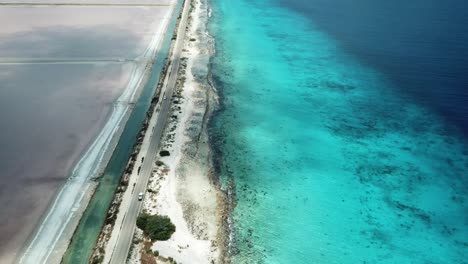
97 260
156 227
164 153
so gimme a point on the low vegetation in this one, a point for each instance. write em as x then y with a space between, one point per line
156 227
164 153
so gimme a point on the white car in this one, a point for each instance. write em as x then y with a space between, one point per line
140 196
165 97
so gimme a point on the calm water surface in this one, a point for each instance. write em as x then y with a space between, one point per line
343 128
52 104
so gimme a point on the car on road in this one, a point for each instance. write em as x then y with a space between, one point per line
165 98
140 196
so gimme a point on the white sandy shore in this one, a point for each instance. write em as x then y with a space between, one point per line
52 237
182 188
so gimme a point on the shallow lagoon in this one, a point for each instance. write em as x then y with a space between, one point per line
47 120
77 32
62 67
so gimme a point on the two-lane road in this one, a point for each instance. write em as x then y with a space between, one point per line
127 230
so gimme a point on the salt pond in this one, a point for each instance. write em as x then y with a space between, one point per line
66 73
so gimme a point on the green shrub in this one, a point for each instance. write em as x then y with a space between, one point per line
156 227
97 260
164 153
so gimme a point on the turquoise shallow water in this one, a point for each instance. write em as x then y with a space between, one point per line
330 162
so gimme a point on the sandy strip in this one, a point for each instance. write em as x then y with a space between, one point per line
64 213
183 187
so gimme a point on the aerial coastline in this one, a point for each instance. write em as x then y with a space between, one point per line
221 131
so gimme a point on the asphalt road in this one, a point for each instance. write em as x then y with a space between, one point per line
127 230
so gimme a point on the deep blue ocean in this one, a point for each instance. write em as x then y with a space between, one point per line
343 129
